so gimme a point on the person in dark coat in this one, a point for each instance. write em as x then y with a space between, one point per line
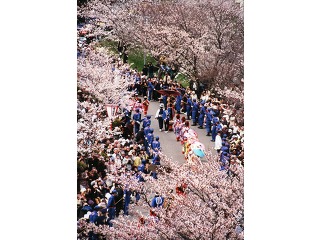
194 112
151 70
156 95
128 130
188 107
119 200
140 137
145 70
202 113
158 116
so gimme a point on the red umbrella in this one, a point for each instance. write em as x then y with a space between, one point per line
169 92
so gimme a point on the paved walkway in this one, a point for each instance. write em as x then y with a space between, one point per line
170 146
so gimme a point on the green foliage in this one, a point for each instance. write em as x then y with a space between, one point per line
109 44
136 58
182 79
135 55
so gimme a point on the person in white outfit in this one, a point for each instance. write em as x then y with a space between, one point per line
218 142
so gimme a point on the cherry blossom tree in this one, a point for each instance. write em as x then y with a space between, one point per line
204 38
104 81
211 206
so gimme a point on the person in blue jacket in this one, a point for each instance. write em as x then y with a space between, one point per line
188 107
156 144
166 119
137 120
216 111
146 131
225 147
150 88
150 138
94 215
219 126
194 112
111 206
157 201
214 131
146 120
202 113
208 121
178 103
165 101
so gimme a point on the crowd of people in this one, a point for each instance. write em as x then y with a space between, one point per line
128 146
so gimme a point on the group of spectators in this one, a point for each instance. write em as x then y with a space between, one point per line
222 122
130 147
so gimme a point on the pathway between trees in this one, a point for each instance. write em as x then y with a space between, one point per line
171 148
169 144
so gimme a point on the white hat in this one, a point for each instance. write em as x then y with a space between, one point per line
161 105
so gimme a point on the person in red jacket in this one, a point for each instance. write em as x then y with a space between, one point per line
145 105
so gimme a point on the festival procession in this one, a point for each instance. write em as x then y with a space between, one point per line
157 158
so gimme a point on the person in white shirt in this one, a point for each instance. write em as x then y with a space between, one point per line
193 95
218 142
